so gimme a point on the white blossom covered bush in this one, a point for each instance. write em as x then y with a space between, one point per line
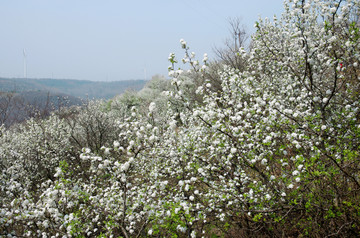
269 151
30 156
279 144
93 125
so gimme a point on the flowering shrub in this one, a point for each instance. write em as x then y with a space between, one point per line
269 151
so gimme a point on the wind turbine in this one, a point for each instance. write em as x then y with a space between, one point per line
24 53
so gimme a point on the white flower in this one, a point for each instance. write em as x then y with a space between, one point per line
297 179
267 139
25 203
290 186
295 173
116 144
172 124
181 228
58 172
152 107
150 232
125 166
205 57
131 159
183 43
323 127
186 187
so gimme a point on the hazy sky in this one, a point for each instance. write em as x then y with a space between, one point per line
114 39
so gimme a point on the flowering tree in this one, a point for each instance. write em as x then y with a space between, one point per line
30 155
279 143
271 150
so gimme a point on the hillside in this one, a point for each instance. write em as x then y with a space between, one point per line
76 88
21 99
17 107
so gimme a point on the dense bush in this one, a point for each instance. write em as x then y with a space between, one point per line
268 151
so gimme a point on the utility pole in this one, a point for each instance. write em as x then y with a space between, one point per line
24 53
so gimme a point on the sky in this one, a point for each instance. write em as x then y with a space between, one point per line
112 40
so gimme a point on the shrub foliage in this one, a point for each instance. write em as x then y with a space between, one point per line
268 150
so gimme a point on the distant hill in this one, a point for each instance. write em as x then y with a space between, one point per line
17 107
77 88
21 99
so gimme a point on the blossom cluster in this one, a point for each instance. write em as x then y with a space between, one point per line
270 150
